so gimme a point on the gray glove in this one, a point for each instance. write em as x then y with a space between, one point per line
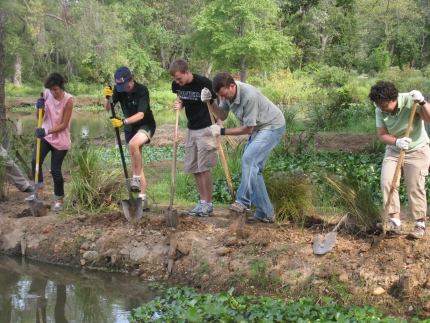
206 95
403 143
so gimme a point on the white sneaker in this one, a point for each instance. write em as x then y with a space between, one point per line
145 206
205 210
57 207
196 209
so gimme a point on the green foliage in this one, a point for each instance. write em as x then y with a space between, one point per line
331 76
93 185
183 304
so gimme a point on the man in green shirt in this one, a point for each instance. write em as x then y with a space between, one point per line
393 110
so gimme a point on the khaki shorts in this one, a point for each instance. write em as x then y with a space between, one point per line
143 129
201 151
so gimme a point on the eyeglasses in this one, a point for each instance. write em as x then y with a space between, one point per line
381 105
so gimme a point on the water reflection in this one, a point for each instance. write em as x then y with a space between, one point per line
84 124
36 292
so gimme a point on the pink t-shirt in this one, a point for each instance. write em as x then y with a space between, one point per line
54 111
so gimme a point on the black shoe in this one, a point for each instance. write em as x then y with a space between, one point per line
30 189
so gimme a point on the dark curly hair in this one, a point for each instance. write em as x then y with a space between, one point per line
55 79
383 92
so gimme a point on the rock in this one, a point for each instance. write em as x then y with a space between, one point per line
231 241
426 307
365 247
82 262
113 259
57 249
85 246
82 218
90 255
222 251
378 291
343 278
48 229
183 248
427 284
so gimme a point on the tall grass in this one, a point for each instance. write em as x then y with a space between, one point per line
94 185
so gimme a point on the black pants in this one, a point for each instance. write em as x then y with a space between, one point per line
57 157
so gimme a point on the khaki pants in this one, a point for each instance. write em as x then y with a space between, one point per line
415 168
12 172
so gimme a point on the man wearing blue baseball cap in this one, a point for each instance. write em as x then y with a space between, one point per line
139 123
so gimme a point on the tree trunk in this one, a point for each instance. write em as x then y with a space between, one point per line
209 69
3 130
17 74
243 59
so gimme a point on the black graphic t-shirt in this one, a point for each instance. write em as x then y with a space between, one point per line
196 111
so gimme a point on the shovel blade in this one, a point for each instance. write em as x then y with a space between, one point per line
132 209
36 207
172 217
322 244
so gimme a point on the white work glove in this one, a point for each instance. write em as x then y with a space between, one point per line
416 96
403 143
206 95
216 130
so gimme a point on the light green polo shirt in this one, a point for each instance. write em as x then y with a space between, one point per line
397 124
253 109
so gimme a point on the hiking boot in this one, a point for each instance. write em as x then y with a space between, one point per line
145 206
417 232
390 227
237 207
57 207
196 209
135 184
205 210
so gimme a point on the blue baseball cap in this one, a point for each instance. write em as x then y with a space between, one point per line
122 76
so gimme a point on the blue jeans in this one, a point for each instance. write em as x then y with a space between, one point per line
252 188
57 157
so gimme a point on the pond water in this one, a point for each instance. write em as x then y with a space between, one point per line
84 124
32 291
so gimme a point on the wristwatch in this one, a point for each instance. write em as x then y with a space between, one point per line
124 121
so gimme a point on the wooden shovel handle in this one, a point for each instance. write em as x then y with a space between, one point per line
223 160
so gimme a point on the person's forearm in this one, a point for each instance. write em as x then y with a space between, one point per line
242 130
107 105
220 113
388 139
134 118
425 112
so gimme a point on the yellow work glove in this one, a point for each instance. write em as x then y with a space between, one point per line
116 122
107 91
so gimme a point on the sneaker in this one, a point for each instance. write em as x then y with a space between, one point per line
196 209
57 207
145 206
417 232
33 197
237 207
30 189
205 210
135 184
390 227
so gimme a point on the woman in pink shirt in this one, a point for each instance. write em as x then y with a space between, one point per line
57 108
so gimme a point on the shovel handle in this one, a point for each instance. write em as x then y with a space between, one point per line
339 223
175 149
223 159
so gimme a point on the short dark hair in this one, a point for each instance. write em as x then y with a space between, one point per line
55 78
222 79
383 92
178 65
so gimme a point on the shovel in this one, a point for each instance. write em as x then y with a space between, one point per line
133 207
34 203
223 160
323 244
378 240
171 214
